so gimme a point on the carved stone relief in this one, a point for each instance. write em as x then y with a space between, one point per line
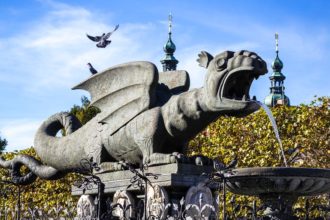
199 202
157 202
124 204
86 208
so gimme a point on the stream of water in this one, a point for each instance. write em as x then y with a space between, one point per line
272 120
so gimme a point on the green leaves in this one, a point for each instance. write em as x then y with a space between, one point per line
3 144
253 140
41 193
85 112
304 130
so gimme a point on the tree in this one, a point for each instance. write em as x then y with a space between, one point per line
3 144
85 112
252 139
304 130
44 194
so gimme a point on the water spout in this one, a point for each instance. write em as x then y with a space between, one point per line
272 120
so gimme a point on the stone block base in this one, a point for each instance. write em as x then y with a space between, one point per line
171 190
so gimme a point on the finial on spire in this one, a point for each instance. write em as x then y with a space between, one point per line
276 41
170 23
169 62
277 96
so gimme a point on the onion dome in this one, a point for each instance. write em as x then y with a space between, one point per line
277 96
169 62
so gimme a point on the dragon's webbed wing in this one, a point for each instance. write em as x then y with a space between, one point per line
122 92
176 81
171 83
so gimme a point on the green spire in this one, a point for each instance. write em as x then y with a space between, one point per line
277 96
277 65
169 62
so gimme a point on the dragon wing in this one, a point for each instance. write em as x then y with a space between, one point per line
177 81
122 92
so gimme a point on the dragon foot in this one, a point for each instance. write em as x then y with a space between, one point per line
154 160
110 167
175 157
159 158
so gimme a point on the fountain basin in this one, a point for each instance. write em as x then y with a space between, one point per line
260 181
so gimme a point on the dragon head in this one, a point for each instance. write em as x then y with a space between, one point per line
228 81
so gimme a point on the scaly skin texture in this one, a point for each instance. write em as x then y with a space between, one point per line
154 135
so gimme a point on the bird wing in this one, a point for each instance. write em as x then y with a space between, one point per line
122 92
109 34
117 26
96 38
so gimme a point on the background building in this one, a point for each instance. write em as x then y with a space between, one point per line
277 96
169 62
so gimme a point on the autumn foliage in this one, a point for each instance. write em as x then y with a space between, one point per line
304 130
43 194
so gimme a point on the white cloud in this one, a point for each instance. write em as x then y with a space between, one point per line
50 56
54 53
19 132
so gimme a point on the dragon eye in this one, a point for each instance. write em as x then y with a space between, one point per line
221 64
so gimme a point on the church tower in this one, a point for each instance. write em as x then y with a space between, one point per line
169 62
277 96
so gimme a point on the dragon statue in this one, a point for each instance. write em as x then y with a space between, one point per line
146 117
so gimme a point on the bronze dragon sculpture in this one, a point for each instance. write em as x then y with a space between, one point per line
146 116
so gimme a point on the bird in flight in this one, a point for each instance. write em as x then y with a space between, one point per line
91 69
103 40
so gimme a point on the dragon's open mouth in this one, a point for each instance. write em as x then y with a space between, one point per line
237 84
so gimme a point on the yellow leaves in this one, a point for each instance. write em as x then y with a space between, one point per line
253 140
41 193
306 132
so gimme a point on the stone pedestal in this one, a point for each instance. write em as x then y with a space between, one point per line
174 189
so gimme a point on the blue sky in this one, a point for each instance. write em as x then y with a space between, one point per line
44 49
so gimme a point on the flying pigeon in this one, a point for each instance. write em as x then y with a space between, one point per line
91 68
102 40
